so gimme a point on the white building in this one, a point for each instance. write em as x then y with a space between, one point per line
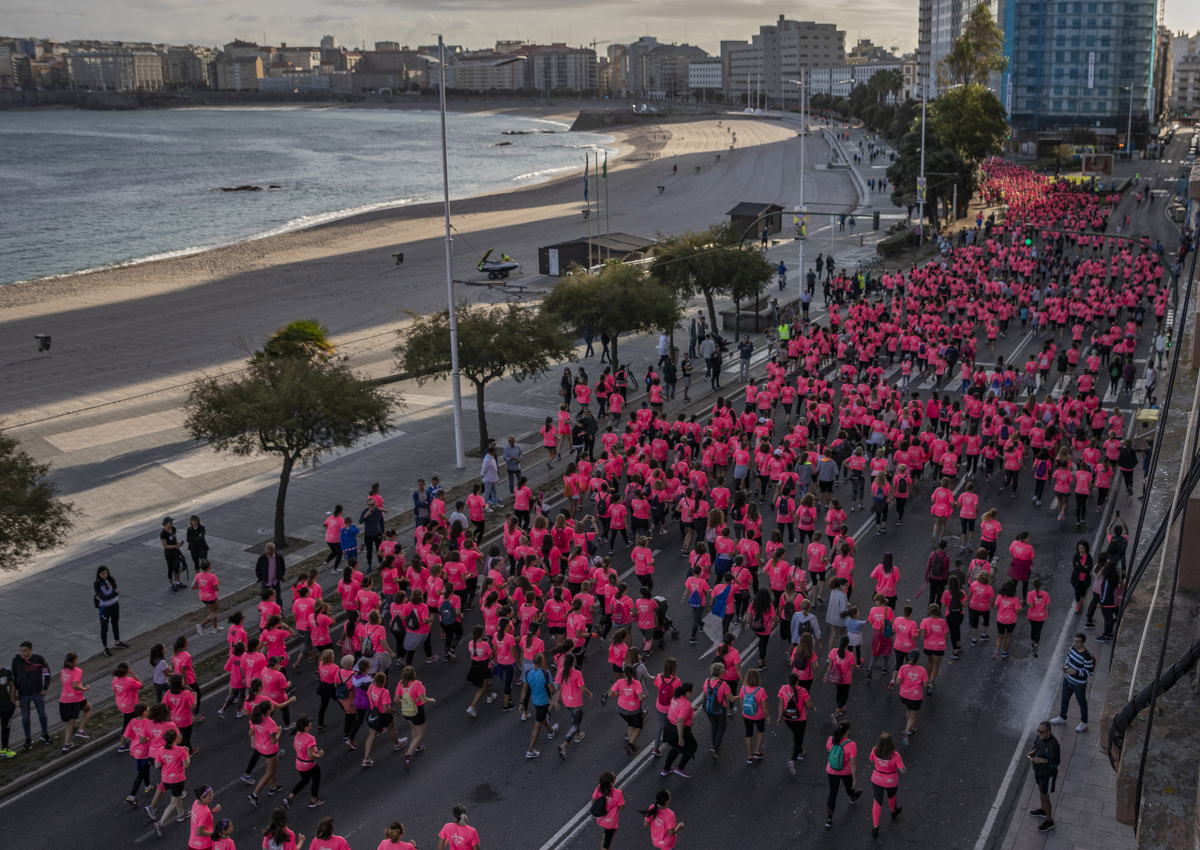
775 58
1185 76
706 74
836 80
128 70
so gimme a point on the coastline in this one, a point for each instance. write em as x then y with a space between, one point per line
152 327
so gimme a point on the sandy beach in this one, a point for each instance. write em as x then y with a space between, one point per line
147 328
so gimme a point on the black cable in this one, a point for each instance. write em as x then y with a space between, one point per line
1132 577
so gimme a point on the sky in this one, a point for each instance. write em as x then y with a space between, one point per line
472 23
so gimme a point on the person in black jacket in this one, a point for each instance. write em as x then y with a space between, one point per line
31 674
1045 758
269 571
108 604
371 520
197 542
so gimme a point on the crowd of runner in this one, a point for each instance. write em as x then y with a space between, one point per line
760 490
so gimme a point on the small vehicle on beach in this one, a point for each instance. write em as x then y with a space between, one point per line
497 269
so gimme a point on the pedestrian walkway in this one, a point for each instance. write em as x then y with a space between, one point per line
1085 801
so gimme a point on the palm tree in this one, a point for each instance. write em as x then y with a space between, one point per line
306 338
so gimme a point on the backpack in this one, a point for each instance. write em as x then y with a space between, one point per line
446 612
750 702
412 622
889 631
599 807
396 624
837 756
788 610
792 712
804 627
695 600
341 690
757 622
720 601
711 704
938 569
666 690
408 706
368 644
901 483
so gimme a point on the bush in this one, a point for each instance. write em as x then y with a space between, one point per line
896 245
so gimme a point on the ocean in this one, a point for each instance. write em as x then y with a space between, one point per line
88 190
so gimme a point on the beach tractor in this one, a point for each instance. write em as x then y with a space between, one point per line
497 269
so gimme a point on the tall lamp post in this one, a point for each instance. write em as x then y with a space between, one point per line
801 211
921 178
460 460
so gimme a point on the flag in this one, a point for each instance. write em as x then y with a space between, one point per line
604 174
586 168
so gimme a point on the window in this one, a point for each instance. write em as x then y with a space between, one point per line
1060 56
1058 90
1074 55
1090 41
1076 23
1085 106
1106 23
1058 73
1102 74
1091 23
1074 73
1091 7
1060 41
1056 105
1074 41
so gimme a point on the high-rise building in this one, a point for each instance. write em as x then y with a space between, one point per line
667 70
240 74
188 66
329 42
1184 101
557 67
865 52
1079 63
939 24
778 55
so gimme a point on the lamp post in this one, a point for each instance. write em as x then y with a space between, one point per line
921 178
460 460
1129 127
801 211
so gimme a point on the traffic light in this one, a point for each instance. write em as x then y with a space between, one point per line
875 218
1028 235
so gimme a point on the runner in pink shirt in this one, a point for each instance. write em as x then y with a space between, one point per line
208 586
663 826
942 509
614 801
886 765
1008 604
73 704
457 835
911 677
1037 603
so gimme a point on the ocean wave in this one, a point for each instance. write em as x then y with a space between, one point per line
545 172
150 137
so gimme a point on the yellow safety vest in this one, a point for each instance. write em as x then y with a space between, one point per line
785 332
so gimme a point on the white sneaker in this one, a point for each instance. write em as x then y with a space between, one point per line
471 711
553 732
1082 727
1057 721
532 754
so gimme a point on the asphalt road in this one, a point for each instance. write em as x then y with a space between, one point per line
957 763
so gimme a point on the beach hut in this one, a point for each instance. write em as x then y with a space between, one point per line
744 214
556 260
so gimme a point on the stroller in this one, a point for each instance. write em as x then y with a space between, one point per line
662 623
721 343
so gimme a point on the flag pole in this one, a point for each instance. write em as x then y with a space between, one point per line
598 248
606 207
587 170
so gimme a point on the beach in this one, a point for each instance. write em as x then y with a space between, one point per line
154 327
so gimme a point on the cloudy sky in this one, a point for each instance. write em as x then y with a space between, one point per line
474 23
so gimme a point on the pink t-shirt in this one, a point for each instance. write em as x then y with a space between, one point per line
71 676
885 773
885 583
172 761
912 679
125 689
1037 601
849 751
263 742
208 585
459 837
661 825
611 818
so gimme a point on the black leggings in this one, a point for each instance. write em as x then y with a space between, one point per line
797 727
834 781
452 634
110 615
1081 502
685 752
954 621
335 553
142 779
313 775
325 698
900 503
717 722
360 717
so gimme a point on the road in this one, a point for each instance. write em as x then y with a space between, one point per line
968 732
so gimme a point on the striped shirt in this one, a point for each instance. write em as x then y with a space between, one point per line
1080 665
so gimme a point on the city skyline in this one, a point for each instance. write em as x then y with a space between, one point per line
891 23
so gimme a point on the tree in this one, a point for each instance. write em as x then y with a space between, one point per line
32 517
293 407
305 338
1062 155
943 168
970 121
712 263
618 300
518 342
977 53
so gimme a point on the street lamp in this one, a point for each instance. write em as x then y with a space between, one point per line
1129 127
460 460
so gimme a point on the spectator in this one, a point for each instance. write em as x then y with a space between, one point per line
512 462
421 500
171 549
269 571
197 541
664 348
670 378
745 349
372 523
490 475
1045 758
109 606
8 699
31 675
707 349
1077 669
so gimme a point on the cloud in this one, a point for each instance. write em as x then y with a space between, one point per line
234 17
